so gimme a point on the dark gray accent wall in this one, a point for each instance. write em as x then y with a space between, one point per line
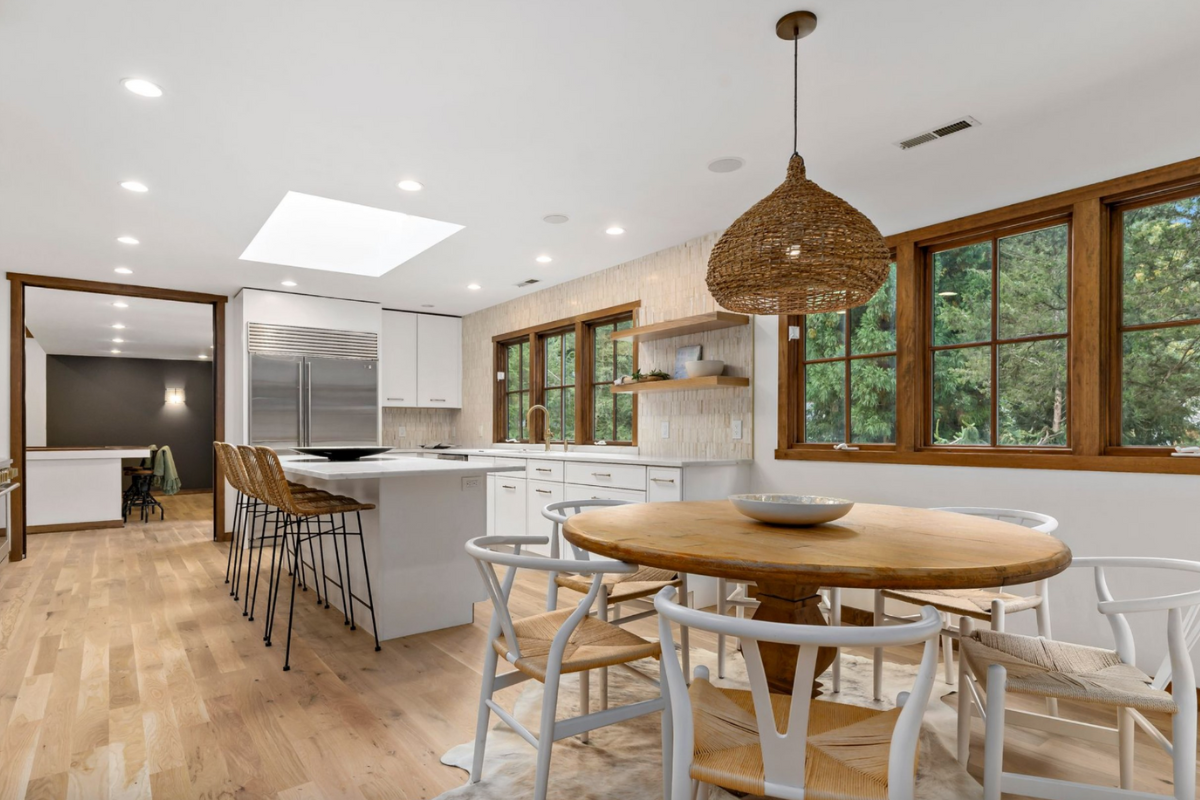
96 402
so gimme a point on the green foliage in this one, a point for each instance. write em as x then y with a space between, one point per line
559 384
516 387
612 414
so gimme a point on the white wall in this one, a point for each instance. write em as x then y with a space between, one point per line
35 394
1099 513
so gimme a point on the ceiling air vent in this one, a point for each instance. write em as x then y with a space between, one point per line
938 133
529 282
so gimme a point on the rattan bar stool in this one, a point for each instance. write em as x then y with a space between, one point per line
231 467
300 513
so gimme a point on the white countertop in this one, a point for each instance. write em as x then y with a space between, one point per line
384 467
84 453
604 458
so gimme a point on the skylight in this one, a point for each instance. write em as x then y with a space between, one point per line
318 233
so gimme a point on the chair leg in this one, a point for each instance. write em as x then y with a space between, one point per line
585 701
349 585
367 577
602 613
668 743
237 512
337 557
684 637
722 610
545 737
993 745
1125 727
324 575
287 654
964 698
1183 740
948 658
835 619
490 660
1043 629
998 616
877 656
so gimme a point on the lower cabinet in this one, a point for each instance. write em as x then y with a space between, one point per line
538 495
510 505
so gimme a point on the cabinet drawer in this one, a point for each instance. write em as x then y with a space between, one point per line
481 459
540 494
663 484
544 470
504 461
576 492
616 476
510 506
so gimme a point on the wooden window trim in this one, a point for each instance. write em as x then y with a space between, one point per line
541 339
582 324
1093 356
502 392
589 327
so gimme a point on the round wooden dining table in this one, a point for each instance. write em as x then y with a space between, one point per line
872 547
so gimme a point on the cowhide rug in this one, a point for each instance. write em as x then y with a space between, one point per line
624 761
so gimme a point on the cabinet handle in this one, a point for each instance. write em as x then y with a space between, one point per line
663 480
505 486
542 491
594 497
437 399
541 469
396 398
601 474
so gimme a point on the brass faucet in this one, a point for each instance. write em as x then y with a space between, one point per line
545 418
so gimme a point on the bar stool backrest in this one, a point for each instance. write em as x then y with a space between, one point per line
254 483
231 465
270 472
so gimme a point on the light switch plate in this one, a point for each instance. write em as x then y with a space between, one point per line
737 428
402 432
471 482
666 429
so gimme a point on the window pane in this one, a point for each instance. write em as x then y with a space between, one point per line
1160 387
512 416
525 365
962 294
1160 272
554 361
962 396
1033 283
873 400
512 373
569 413
873 325
569 358
554 404
1032 393
624 357
624 413
602 412
602 358
825 402
824 336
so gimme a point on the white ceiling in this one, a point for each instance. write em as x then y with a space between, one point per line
80 324
607 112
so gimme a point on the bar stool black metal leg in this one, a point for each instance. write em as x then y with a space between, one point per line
257 571
349 583
287 653
367 577
237 512
324 576
337 555
275 576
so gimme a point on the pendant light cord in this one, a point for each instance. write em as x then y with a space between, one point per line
795 92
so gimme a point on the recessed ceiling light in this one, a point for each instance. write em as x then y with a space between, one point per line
204 355
119 326
555 219
120 304
426 305
127 240
287 283
411 186
142 87
615 230
947 294
135 186
118 341
318 233
123 271
114 351
473 286
730 164
544 259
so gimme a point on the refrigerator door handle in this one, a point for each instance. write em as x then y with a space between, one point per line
300 405
308 403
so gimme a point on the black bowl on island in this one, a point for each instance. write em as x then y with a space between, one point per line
342 453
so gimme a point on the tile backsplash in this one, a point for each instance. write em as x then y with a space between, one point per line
420 426
670 284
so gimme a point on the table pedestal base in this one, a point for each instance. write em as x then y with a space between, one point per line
795 605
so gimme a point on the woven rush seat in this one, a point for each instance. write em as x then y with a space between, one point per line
847 746
593 644
1046 668
974 603
306 505
643 583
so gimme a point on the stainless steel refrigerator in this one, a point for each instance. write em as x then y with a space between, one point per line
308 397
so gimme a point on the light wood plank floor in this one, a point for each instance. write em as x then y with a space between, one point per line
127 671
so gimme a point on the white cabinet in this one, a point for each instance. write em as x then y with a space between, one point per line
540 494
439 361
491 504
664 484
510 505
399 359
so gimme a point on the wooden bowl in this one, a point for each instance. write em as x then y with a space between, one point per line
791 509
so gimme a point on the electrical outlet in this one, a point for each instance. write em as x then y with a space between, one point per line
402 432
471 482
737 428
666 429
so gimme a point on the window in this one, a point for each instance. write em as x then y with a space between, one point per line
516 390
1160 323
612 414
1056 333
558 382
568 366
998 340
850 381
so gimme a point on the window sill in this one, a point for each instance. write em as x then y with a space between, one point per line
1114 461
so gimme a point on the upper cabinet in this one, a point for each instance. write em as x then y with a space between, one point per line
399 361
421 360
439 361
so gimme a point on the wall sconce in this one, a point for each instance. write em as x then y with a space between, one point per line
175 397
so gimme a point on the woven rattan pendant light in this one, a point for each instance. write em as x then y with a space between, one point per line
801 249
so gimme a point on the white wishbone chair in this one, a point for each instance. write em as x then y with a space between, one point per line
616 589
731 738
986 605
994 664
547 646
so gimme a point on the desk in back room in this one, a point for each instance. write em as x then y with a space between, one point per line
75 488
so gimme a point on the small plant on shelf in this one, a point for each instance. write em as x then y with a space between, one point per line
641 377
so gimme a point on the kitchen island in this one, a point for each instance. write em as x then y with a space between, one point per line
75 488
425 511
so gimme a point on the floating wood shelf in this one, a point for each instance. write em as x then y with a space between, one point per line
681 384
712 321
